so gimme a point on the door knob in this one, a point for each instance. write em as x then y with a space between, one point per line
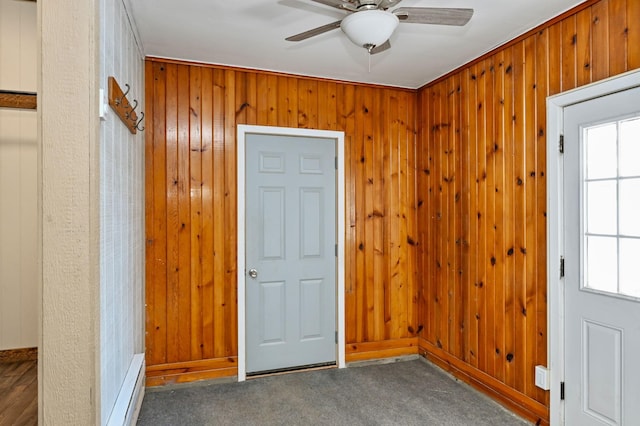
253 273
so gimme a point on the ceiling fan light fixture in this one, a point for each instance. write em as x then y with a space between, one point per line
369 27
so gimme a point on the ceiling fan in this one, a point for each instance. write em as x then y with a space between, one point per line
369 23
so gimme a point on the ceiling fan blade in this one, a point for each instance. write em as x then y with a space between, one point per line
314 32
338 4
384 46
386 4
434 15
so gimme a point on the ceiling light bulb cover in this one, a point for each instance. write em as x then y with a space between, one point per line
369 27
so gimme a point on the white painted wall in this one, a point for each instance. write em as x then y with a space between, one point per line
122 247
18 180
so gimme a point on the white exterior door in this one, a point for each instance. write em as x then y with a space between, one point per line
290 240
602 260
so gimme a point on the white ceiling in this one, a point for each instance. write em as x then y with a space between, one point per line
251 34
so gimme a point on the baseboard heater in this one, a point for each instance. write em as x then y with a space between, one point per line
125 410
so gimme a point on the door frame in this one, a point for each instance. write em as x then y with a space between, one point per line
244 130
555 228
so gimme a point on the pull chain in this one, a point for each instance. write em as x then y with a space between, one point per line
369 48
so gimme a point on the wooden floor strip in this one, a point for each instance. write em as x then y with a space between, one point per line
19 393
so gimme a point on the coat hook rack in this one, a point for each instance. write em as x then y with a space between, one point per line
122 107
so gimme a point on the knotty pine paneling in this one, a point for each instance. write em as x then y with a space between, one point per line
192 113
481 183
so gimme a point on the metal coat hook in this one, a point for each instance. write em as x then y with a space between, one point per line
130 113
119 100
141 129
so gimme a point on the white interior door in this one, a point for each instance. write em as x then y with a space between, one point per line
602 260
290 239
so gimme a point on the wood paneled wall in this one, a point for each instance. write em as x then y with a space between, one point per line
481 184
192 113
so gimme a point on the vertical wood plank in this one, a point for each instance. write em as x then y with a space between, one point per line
251 84
284 108
583 47
440 313
241 98
466 177
183 226
542 65
474 174
172 226
272 100
600 39
633 34
346 120
554 73
292 98
459 299
429 170
490 148
530 248
497 350
230 227
519 117
412 239
481 159
377 215
509 223
195 193
569 40
403 144
368 190
359 200
618 32
151 238
218 209
208 224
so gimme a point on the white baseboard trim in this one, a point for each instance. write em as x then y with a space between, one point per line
127 406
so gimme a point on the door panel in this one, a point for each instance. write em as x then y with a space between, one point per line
601 370
290 237
602 254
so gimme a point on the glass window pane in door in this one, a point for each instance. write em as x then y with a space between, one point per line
630 147
630 266
602 264
630 208
601 151
602 215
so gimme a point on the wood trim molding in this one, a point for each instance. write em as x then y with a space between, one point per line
515 401
384 349
191 371
15 355
18 100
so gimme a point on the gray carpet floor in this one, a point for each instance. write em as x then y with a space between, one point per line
410 392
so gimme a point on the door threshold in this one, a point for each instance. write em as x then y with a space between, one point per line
297 369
